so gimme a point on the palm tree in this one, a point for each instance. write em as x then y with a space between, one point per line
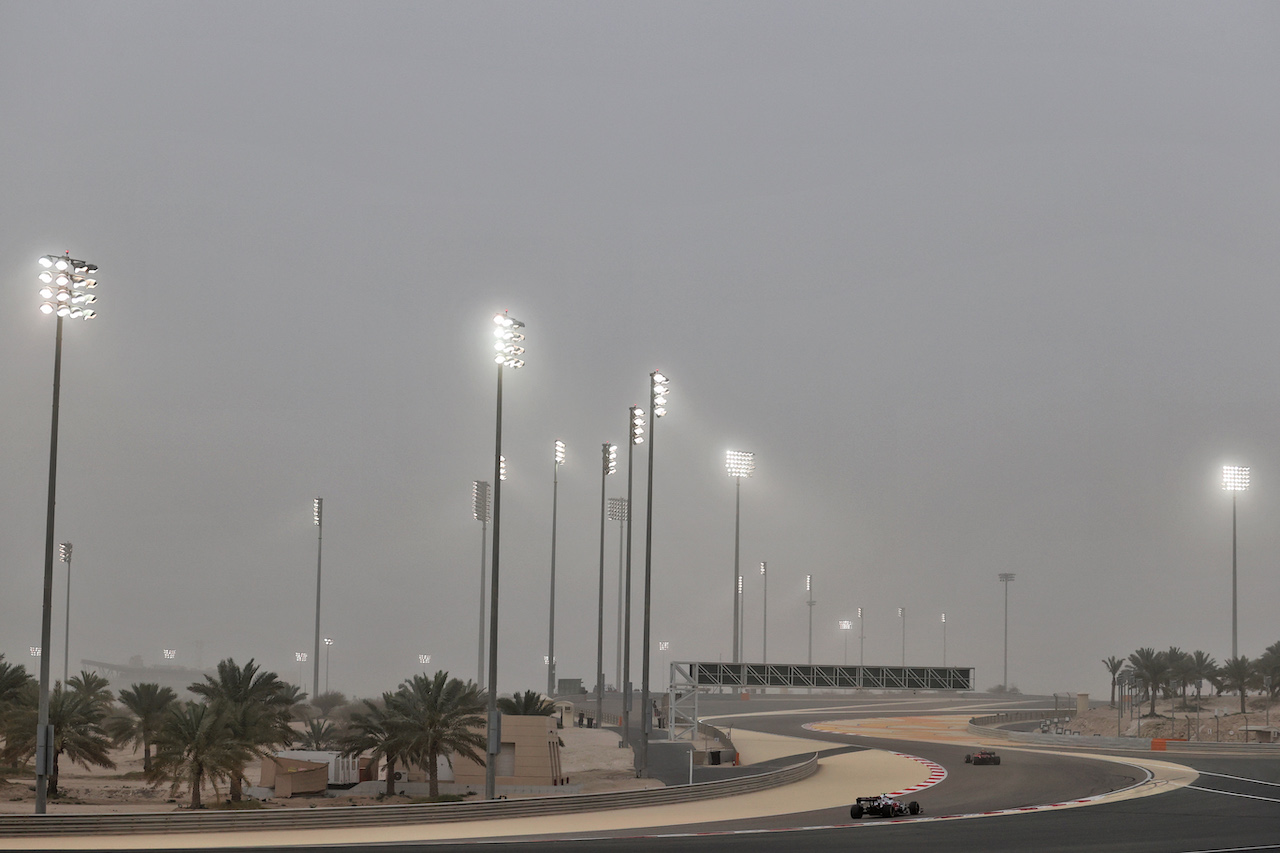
1152 668
196 744
319 734
14 681
373 731
1113 665
325 703
76 719
440 716
1179 662
1269 667
145 705
1202 668
1239 674
92 686
527 704
257 706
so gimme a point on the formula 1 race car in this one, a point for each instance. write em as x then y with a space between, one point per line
883 806
982 756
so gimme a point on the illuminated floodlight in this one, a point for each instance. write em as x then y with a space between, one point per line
846 624
317 510
659 393
170 654
1235 478
480 500
35 651
618 509
502 468
610 452
808 583
508 339
300 657
328 641
424 659
559 452
637 425
739 463
663 646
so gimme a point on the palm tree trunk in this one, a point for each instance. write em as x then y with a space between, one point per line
196 779
146 755
433 774
52 790
391 777
237 786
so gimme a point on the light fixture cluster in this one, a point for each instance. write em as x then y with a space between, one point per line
317 510
559 452
618 509
507 346
65 285
659 393
610 458
300 657
1235 478
480 500
637 425
64 552
170 654
502 468
424 659
846 624
739 463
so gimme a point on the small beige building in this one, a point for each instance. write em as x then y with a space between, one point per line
289 777
530 757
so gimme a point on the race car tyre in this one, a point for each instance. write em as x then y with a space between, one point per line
968 759
856 812
995 760
913 807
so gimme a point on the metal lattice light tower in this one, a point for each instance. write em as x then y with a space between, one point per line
551 620
635 428
618 512
480 510
944 639
65 288
64 554
508 352
608 465
1235 479
1006 578
739 464
902 614
317 512
846 625
808 588
764 613
658 389
328 645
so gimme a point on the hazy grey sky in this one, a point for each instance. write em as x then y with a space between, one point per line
988 287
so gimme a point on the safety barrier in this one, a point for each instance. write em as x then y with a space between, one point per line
346 817
989 727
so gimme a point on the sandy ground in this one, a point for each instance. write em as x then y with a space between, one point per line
1190 721
591 758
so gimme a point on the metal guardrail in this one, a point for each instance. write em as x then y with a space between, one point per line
347 817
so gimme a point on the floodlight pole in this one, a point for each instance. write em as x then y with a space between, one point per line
64 554
1005 578
64 300
657 407
318 511
1234 479
480 509
764 614
551 621
608 464
635 428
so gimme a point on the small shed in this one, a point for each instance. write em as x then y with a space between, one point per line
289 777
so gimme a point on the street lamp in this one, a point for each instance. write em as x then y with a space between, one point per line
317 514
551 621
1006 578
902 614
65 288
635 429
658 389
739 464
764 614
608 465
618 512
480 510
328 644
1234 479
64 554
846 625
808 588
507 354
